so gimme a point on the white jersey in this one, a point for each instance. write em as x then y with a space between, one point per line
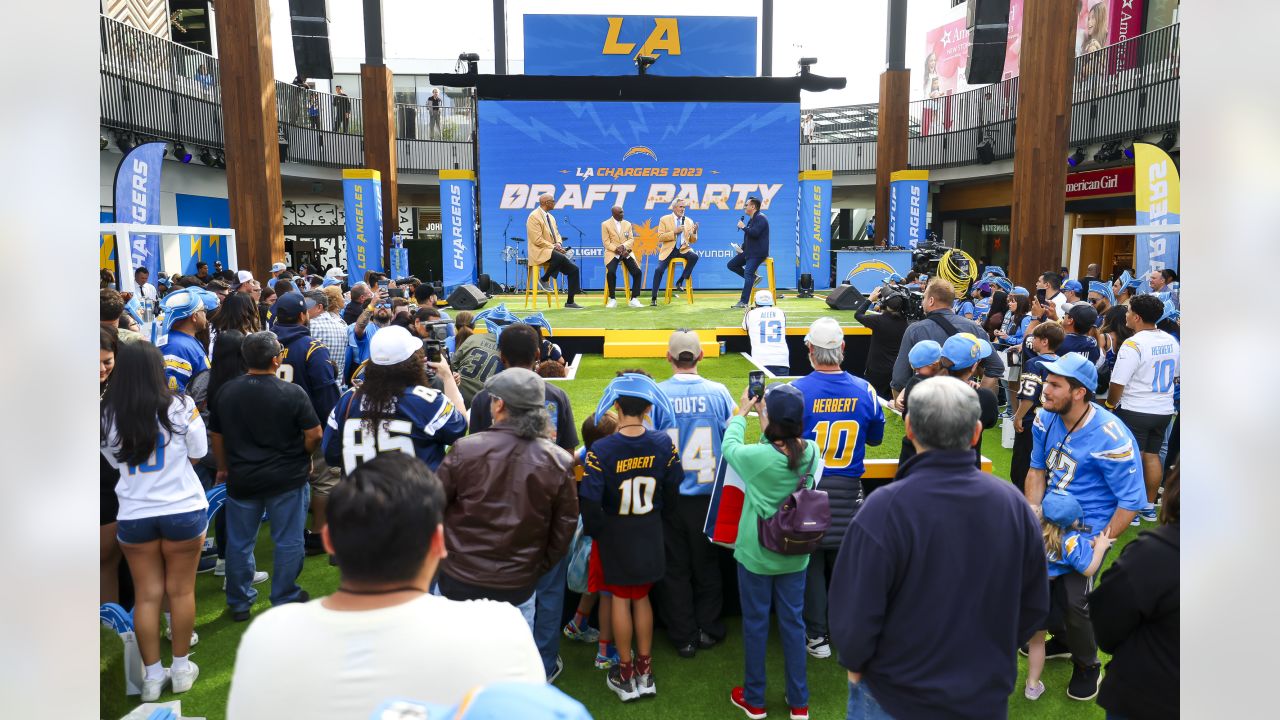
165 484
1147 365
767 327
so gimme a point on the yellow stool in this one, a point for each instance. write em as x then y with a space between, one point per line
671 274
626 285
531 288
768 271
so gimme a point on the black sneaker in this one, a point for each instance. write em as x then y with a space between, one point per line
705 641
1054 648
1084 682
312 544
738 306
573 306
687 650
653 303
207 564
238 615
624 689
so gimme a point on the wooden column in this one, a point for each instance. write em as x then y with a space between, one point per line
249 133
891 141
1040 149
380 145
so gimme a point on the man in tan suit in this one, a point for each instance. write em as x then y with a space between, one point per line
675 234
617 237
545 249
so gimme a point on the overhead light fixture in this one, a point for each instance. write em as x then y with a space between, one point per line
1168 140
125 141
806 63
180 152
1128 149
1076 158
206 156
102 142
986 150
643 62
1109 152
219 158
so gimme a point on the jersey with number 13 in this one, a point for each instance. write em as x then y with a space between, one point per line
425 423
702 409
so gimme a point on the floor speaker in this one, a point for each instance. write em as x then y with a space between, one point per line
467 297
988 23
844 297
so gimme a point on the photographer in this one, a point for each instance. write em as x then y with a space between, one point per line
887 328
427 325
939 324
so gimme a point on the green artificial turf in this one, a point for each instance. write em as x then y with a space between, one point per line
687 689
709 310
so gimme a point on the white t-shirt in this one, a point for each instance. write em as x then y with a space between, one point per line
307 661
1060 305
767 327
1147 366
166 484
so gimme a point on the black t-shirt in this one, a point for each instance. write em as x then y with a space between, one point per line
261 419
886 337
557 407
351 313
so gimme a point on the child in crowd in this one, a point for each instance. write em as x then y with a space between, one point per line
925 358
577 628
632 477
1044 342
1067 549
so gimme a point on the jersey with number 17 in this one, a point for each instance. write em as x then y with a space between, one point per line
842 414
702 409
424 424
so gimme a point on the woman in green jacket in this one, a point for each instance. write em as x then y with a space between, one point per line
770 471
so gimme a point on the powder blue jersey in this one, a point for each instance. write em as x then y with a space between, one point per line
702 410
842 415
1076 554
424 423
1097 464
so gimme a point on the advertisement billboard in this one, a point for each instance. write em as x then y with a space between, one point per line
608 44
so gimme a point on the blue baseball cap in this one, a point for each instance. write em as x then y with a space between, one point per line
1077 367
784 403
925 352
895 278
1019 290
1073 286
964 350
529 701
1060 508
291 306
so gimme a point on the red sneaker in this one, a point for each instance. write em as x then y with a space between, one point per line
800 713
737 697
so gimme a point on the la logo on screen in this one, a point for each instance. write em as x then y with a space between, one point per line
665 36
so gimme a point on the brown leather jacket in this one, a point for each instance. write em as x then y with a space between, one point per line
511 508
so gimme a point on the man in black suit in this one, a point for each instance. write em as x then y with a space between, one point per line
755 248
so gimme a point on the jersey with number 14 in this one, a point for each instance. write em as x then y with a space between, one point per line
842 415
702 409
425 423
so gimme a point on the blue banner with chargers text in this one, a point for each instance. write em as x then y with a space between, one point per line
458 227
641 156
908 207
137 199
608 45
815 227
362 198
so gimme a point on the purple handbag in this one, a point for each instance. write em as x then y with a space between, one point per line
801 521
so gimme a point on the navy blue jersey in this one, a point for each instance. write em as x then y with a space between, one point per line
425 423
628 482
184 358
1081 345
1031 383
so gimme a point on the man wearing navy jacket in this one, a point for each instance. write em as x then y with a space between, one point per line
940 577
755 248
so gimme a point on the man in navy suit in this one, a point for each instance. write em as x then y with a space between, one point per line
755 248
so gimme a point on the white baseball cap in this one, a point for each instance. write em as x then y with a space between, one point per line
764 297
335 272
278 267
825 333
391 345
244 276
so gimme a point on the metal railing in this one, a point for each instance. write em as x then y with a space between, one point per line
449 124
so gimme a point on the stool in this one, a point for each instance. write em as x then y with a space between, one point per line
671 274
768 271
626 285
531 288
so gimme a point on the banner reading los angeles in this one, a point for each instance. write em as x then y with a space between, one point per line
591 156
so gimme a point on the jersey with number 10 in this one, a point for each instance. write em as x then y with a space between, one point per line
425 423
702 408
842 415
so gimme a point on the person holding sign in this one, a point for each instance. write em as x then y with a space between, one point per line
676 235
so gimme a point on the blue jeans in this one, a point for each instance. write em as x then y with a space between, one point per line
287 513
548 597
862 706
746 267
787 594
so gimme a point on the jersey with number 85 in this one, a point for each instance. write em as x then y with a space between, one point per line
425 423
702 409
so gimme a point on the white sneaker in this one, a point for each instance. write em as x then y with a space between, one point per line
259 577
195 638
819 647
220 568
611 304
635 303
182 680
151 689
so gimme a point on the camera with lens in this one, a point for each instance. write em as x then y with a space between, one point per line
900 299
434 343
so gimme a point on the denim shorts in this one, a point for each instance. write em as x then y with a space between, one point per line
176 528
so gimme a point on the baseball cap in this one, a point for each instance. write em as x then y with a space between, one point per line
1019 290
335 272
391 345
764 297
684 341
784 403
1083 314
825 333
1077 367
530 701
291 305
965 349
520 388
895 278
1060 508
1072 286
278 267
243 277
925 352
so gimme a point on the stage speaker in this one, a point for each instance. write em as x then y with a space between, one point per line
309 21
988 23
485 284
467 297
844 297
